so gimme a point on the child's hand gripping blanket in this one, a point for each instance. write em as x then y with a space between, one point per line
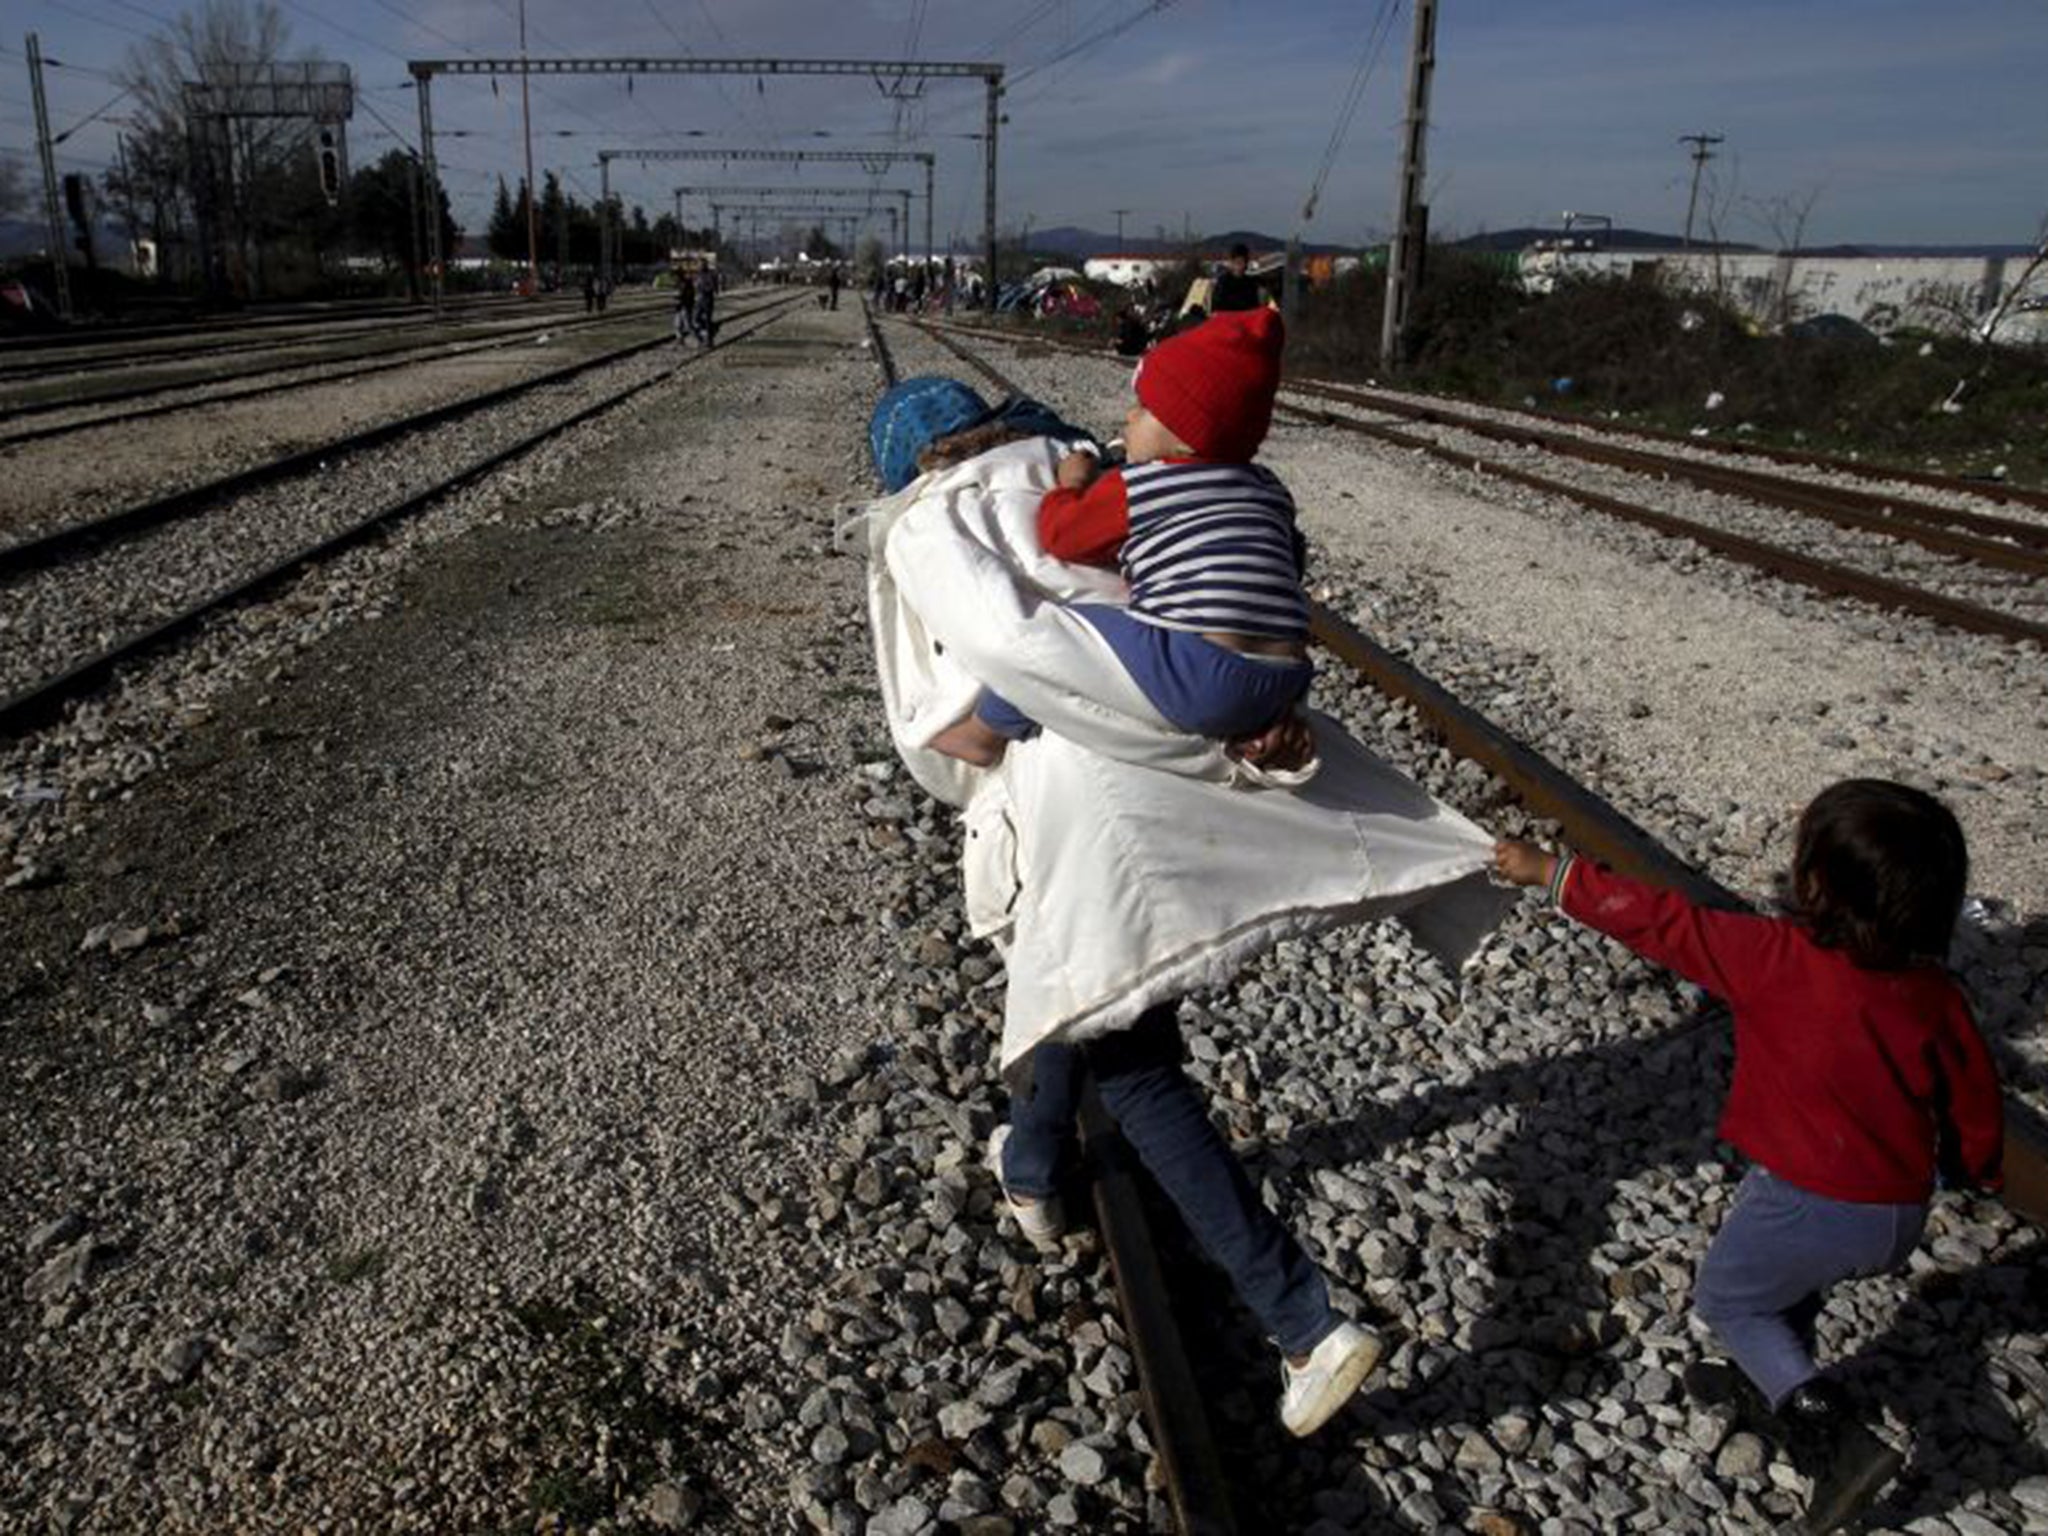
1121 862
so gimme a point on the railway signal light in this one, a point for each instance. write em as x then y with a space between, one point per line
328 150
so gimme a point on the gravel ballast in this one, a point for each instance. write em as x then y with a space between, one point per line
496 1048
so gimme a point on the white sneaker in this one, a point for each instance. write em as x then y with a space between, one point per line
1336 1369
1042 1222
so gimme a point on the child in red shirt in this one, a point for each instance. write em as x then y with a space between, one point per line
1859 1075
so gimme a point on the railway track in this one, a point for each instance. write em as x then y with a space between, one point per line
1194 1477
65 552
281 376
1995 544
1988 489
112 349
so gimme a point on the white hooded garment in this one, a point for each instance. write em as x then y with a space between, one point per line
1117 861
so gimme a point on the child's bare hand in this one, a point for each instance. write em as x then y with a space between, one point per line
1078 470
1523 863
1283 746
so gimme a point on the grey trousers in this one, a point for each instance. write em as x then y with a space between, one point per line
1766 1275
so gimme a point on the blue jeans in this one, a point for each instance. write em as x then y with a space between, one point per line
1200 687
1139 1077
1766 1275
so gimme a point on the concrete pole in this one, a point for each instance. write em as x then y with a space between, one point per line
1404 255
988 187
532 191
423 82
929 162
60 263
1701 154
604 218
412 204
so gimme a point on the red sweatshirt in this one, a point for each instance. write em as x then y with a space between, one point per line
1845 1079
1086 527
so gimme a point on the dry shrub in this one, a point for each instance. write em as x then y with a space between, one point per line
1655 356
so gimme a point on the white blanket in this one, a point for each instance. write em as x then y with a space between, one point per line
1118 861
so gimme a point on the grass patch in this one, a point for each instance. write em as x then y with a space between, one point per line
357 1265
570 1495
588 1374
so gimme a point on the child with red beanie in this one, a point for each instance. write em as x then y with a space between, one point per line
1217 625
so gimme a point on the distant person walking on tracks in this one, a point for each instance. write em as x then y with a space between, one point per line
704 318
686 305
589 294
832 282
1216 633
1859 1076
1235 287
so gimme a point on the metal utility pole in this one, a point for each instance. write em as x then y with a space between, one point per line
1701 154
881 71
412 204
532 191
818 195
604 220
988 175
875 161
423 83
60 264
1119 212
1411 218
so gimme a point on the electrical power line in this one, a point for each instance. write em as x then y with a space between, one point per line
1368 59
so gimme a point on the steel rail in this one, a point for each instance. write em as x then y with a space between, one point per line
85 336
63 543
1805 570
29 371
1989 490
44 702
1593 826
1919 522
1181 1437
1590 823
1772 559
380 360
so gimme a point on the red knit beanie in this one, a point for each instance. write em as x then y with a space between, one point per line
1213 387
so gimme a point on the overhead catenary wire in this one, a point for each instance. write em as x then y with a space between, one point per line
1368 59
1107 34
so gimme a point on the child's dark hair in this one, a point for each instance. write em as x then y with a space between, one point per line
1879 872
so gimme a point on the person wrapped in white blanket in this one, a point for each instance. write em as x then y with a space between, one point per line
1119 859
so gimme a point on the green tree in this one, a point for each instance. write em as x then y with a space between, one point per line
505 235
262 182
383 201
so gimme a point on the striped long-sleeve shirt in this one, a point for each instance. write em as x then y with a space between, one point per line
1203 546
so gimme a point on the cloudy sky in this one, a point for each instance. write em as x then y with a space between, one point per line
1888 120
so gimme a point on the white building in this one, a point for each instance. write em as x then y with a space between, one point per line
1126 270
1940 293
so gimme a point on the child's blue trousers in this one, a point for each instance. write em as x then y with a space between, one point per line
1199 686
1766 1275
1139 1077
